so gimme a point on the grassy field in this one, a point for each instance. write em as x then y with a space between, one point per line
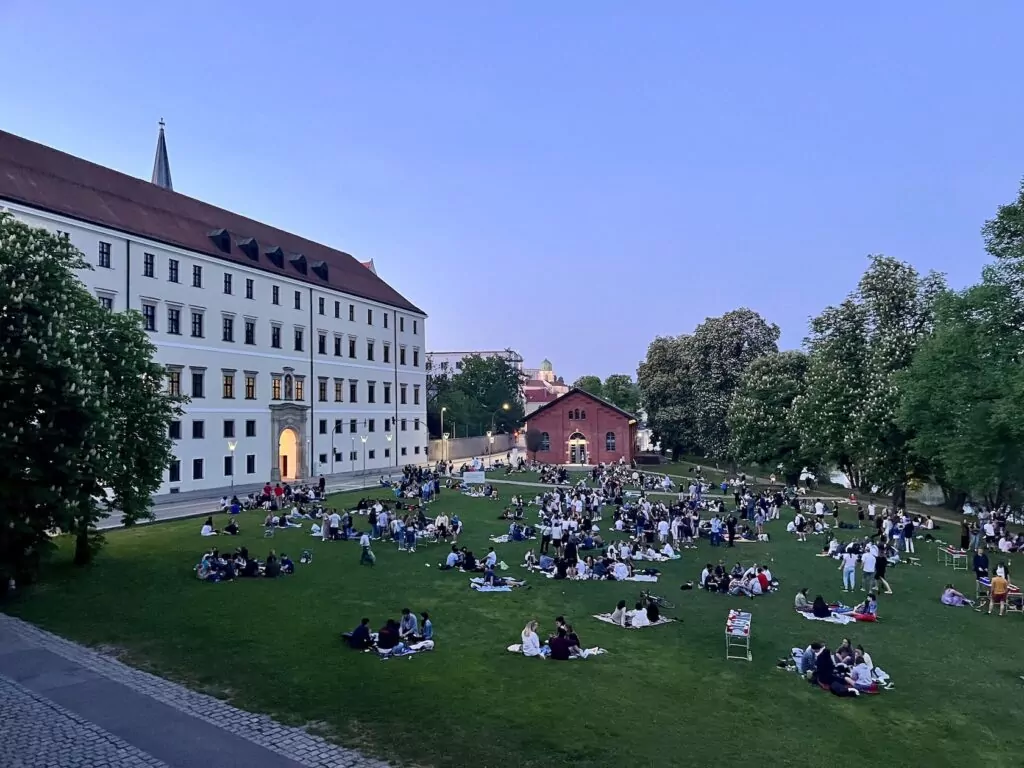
661 696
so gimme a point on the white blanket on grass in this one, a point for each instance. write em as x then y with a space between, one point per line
585 653
409 650
835 618
607 619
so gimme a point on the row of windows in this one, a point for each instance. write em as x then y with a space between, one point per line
197 331
577 415
199 465
173 276
545 441
288 387
354 426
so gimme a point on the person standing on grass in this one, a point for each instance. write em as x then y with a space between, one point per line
730 526
998 590
881 563
849 569
868 562
367 555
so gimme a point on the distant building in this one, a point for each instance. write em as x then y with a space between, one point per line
579 428
450 363
542 386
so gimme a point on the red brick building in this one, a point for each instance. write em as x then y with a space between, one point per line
578 428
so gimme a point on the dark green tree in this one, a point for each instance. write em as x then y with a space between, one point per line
591 384
475 397
619 389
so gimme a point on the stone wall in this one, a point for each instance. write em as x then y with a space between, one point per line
468 447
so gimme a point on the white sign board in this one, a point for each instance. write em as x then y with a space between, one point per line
471 478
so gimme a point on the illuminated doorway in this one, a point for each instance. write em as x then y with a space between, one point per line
577 448
288 450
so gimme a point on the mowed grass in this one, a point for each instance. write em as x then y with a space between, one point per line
661 696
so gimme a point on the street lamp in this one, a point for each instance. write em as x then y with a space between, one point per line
364 438
504 407
352 454
442 432
444 447
391 437
490 439
232 444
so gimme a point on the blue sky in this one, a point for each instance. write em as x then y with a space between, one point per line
569 179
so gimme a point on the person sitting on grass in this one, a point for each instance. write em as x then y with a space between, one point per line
560 647
287 564
387 637
531 643
619 614
272 568
427 631
530 560
359 638
452 561
638 618
208 529
232 528
820 608
951 596
868 610
491 580
408 627
800 602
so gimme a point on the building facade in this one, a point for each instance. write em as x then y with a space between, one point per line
297 359
542 386
578 428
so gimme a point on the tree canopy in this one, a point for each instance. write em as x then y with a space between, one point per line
591 384
475 396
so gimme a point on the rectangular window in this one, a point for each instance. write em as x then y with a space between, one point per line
197 469
353 455
198 430
107 303
298 299
229 428
387 451
371 425
229 386
320 304
387 425
148 265
229 466
105 255
371 392
416 425
353 391
197 276
352 313
338 388
250 464
197 325
250 331
403 450
415 358
149 317
198 378
174 471
337 346
174 321
387 392
337 310
403 425
415 327
401 356
385 319
228 329
401 394
321 393
369 350
387 352
401 325
352 426
174 430
249 284
369 317
250 427
174 382
337 426
321 344
275 336
322 427
416 449
250 387
351 347
415 394
373 453
323 458
172 270
298 339
275 295
275 388
300 389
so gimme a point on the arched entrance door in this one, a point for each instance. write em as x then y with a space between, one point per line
577 448
288 450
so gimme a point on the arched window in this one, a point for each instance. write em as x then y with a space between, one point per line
545 442
581 415
609 441
570 414
288 387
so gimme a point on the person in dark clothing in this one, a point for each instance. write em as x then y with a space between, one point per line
653 612
980 563
272 569
561 568
560 646
820 608
730 525
388 638
965 535
824 667
359 638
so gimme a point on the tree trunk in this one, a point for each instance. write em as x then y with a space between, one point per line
792 478
83 548
899 495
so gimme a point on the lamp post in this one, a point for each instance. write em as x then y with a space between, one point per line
390 437
334 431
504 407
352 454
364 438
444 437
444 447
232 444
490 440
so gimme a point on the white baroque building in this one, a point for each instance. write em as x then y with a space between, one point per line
298 360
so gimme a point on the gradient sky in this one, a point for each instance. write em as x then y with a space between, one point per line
569 179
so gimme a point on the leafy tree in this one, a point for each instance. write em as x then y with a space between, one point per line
591 384
79 411
474 397
762 429
620 390
665 382
534 439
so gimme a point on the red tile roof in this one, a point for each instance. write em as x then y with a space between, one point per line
36 175
578 391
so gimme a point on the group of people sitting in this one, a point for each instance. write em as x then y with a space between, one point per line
867 610
394 635
849 671
561 645
208 529
584 568
644 613
739 581
214 567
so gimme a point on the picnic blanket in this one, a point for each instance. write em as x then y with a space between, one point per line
834 618
505 538
585 653
658 558
479 586
405 650
641 577
607 619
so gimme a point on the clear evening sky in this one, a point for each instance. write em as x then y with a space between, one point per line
566 178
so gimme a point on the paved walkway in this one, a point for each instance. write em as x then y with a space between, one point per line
65 706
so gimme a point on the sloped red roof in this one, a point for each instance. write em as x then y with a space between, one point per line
578 391
39 176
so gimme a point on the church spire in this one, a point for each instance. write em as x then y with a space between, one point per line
161 165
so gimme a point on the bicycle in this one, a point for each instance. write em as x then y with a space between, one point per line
661 602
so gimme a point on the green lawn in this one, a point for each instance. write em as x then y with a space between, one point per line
661 696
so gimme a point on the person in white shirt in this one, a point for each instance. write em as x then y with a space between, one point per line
1005 545
867 562
367 555
620 571
492 557
638 618
208 529
849 569
667 550
531 643
663 530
